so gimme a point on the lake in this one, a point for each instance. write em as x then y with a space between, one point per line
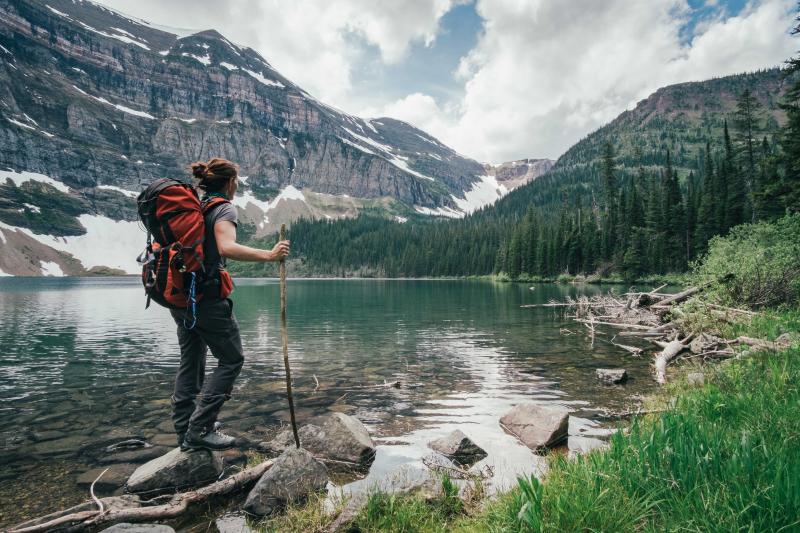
83 362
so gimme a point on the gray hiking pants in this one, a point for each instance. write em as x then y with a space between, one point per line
196 401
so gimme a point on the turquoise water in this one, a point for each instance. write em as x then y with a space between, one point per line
83 362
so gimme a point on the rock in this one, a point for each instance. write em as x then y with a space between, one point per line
41 436
340 438
133 456
233 523
696 379
611 375
581 445
138 528
61 446
537 426
165 439
114 478
458 447
785 340
176 469
294 475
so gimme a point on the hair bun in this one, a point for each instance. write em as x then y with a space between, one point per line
199 170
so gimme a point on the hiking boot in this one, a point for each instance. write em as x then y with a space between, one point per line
209 440
181 437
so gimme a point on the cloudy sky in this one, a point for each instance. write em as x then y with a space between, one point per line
495 79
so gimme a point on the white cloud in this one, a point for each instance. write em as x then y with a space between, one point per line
316 44
543 74
546 73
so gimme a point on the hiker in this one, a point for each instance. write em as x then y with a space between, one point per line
196 401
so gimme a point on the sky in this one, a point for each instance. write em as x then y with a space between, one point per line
497 80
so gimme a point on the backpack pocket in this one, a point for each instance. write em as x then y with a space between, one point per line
225 283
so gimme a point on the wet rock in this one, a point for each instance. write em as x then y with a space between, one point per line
134 456
176 469
233 523
582 445
61 446
339 438
696 379
294 475
138 528
458 447
114 478
537 426
164 439
41 436
611 375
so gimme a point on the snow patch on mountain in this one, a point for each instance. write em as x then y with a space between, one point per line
107 242
129 194
206 59
448 212
484 192
51 268
266 81
21 177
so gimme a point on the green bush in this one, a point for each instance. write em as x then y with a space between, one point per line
756 265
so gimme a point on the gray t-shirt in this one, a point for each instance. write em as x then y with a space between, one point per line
218 213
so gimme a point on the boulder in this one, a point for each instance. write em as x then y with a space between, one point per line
138 528
696 379
340 438
176 469
581 445
537 426
293 475
458 447
611 375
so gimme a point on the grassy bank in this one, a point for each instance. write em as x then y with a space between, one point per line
723 458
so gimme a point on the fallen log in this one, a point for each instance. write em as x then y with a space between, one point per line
757 343
176 506
679 297
671 350
614 324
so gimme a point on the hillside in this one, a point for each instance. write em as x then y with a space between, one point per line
569 220
94 105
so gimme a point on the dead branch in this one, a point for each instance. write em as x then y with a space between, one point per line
91 492
671 350
175 507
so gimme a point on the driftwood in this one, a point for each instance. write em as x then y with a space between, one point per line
177 505
671 350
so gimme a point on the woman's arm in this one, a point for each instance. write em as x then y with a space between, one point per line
225 232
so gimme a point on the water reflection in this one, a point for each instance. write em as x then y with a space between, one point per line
82 360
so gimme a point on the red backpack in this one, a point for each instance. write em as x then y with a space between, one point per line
172 264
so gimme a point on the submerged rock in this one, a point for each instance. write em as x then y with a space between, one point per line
176 469
292 477
612 375
340 438
458 447
537 426
114 478
581 445
138 528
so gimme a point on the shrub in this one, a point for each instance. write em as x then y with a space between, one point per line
756 265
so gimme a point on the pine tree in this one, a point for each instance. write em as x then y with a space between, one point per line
790 136
736 190
747 121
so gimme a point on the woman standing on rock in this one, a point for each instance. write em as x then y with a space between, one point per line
196 401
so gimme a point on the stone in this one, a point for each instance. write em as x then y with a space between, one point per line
114 478
611 375
458 447
176 469
340 438
138 528
164 439
537 426
133 456
696 379
579 445
293 476
66 445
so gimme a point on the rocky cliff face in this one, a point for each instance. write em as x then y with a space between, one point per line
101 104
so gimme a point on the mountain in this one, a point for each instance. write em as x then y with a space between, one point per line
678 119
662 197
95 104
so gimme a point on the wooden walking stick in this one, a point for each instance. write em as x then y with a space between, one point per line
285 339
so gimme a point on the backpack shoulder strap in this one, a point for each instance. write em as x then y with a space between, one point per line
208 205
